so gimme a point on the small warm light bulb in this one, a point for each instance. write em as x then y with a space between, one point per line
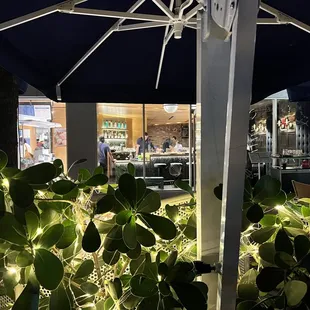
5 183
40 193
279 207
39 231
12 270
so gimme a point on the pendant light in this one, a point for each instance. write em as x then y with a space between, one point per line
170 108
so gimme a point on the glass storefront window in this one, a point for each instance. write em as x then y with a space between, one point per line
261 126
41 132
168 133
120 126
160 155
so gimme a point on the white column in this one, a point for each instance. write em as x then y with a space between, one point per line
82 135
212 94
190 146
274 130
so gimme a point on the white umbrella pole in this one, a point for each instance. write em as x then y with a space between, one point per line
231 66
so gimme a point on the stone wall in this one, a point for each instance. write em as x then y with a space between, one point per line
158 134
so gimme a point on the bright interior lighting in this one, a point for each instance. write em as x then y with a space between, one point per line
278 207
170 108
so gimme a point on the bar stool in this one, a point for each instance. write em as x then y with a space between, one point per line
175 169
160 167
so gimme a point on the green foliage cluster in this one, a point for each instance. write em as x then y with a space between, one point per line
275 239
84 244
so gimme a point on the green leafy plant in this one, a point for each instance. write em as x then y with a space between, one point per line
275 241
84 244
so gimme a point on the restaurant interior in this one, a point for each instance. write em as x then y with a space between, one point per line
279 142
169 151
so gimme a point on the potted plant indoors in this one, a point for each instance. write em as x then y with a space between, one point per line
82 244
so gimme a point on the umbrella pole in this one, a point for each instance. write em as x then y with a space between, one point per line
224 160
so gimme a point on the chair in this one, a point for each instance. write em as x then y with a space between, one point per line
160 167
302 190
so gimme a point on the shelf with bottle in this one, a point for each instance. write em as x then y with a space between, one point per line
116 125
115 134
112 129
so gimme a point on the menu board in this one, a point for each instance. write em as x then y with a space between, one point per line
43 111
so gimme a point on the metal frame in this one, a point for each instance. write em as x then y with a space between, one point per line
282 18
69 4
174 17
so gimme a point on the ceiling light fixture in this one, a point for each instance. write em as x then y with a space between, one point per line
170 108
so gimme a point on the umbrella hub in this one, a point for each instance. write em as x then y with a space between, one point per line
178 27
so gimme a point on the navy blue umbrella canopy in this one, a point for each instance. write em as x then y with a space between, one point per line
124 68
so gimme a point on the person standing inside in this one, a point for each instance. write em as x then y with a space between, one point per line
38 152
144 144
166 145
26 154
104 154
175 145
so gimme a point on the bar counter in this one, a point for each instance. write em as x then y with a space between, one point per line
151 159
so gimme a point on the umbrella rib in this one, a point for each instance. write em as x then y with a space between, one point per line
193 11
38 14
267 21
164 8
184 6
284 18
191 27
140 26
117 14
100 41
163 49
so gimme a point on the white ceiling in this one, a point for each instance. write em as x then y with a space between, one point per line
155 113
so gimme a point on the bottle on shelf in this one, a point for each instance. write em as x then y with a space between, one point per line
106 124
118 125
115 124
105 134
125 125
